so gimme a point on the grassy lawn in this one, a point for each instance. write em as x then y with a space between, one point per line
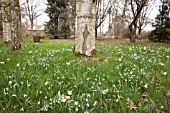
47 77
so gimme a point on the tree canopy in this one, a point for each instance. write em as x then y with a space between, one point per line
162 22
55 11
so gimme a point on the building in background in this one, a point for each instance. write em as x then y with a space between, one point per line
37 30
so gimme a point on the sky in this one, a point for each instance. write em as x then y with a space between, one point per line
44 18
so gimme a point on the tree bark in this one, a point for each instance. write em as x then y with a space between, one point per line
15 25
85 28
133 25
11 23
6 20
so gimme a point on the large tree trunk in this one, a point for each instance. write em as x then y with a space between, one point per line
15 25
85 28
6 20
133 36
133 32
10 12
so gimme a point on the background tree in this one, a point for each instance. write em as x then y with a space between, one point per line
144 19
103 9
136 7
162 22
31 9
57 12
85 28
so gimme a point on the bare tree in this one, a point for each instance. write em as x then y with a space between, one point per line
102 12
144 19
32 10
136 7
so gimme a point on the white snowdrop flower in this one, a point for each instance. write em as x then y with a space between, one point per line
40 92
25 95
87 100
88 95
86 112
87 105
2 62
38 102
30 52
77 109
162 64
45 97
6 89
69 93
15 85
95 103
51 99
45 109
75 86
22 109
131 72
76 103
14 95
18 65
105 91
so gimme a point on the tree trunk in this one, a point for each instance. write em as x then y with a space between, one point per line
15 24
85 28
6 20
132 36
123 17
32 25
132 33
139 33
136 14
10 13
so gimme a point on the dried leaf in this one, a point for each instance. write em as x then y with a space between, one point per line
168 94
131 105
107 100
144 97
158 111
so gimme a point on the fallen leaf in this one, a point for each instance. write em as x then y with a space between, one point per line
144 97
107 100
168 94
131 105
158 111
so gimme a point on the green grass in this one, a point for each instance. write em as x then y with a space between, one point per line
124 78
